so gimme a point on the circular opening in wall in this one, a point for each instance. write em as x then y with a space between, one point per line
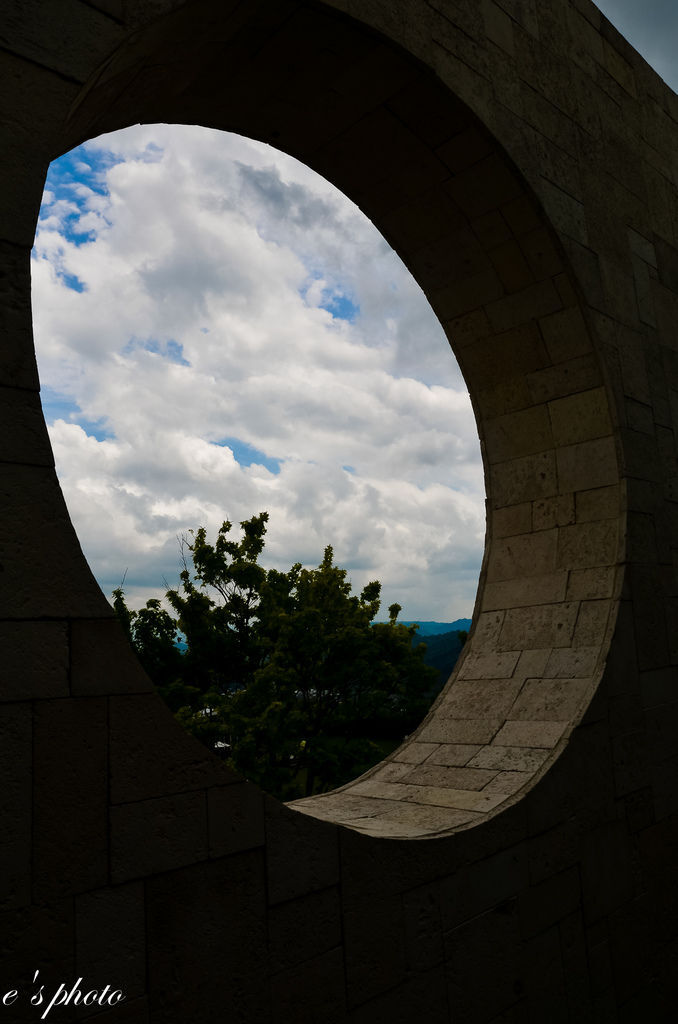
221 333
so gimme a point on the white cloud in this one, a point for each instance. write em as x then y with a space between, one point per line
205 262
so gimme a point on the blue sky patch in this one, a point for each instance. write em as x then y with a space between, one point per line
340 306
171 350
333 299
247 455
57 406
72 281
65 180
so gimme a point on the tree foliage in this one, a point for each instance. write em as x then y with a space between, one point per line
283 673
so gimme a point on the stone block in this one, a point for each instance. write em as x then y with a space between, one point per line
454 778
531 303
530 734
630 756
548 513
490 938
392 771
110 928
658 686
235 818
510 264
518 593
426 990
539 626
38 934
639 416
598 503
17 359
508 783
458 731
592 621
606 871
134 1012
374 932
485 185
487 628
89 36
23 432
415 752
313 993
587 545
512 520
207 941
16 752
566 378
544 977
466 330
553 852
395 819
479 887
152 836
498 26
549 902
423 927
478 697
434 796
302 854
456 256
532 663
573 662
522 216
590 584
550 700
491 229
541 255
509 352
580 417
641 538
103 661
50 579
518 433
34 104
566 212
491 665
532 554
304 928
423 219
511 759
35 660
500 397
152 755
616 66
587 465
523 479
453 754
70 826
461 297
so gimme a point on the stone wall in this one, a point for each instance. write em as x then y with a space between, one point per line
515 860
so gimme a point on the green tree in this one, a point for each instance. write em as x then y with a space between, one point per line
283 672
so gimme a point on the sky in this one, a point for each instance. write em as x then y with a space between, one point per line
219 332
651 26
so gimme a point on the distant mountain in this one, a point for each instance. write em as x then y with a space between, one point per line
442 651
435 628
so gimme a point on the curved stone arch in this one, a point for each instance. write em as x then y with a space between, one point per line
473 233
175 861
